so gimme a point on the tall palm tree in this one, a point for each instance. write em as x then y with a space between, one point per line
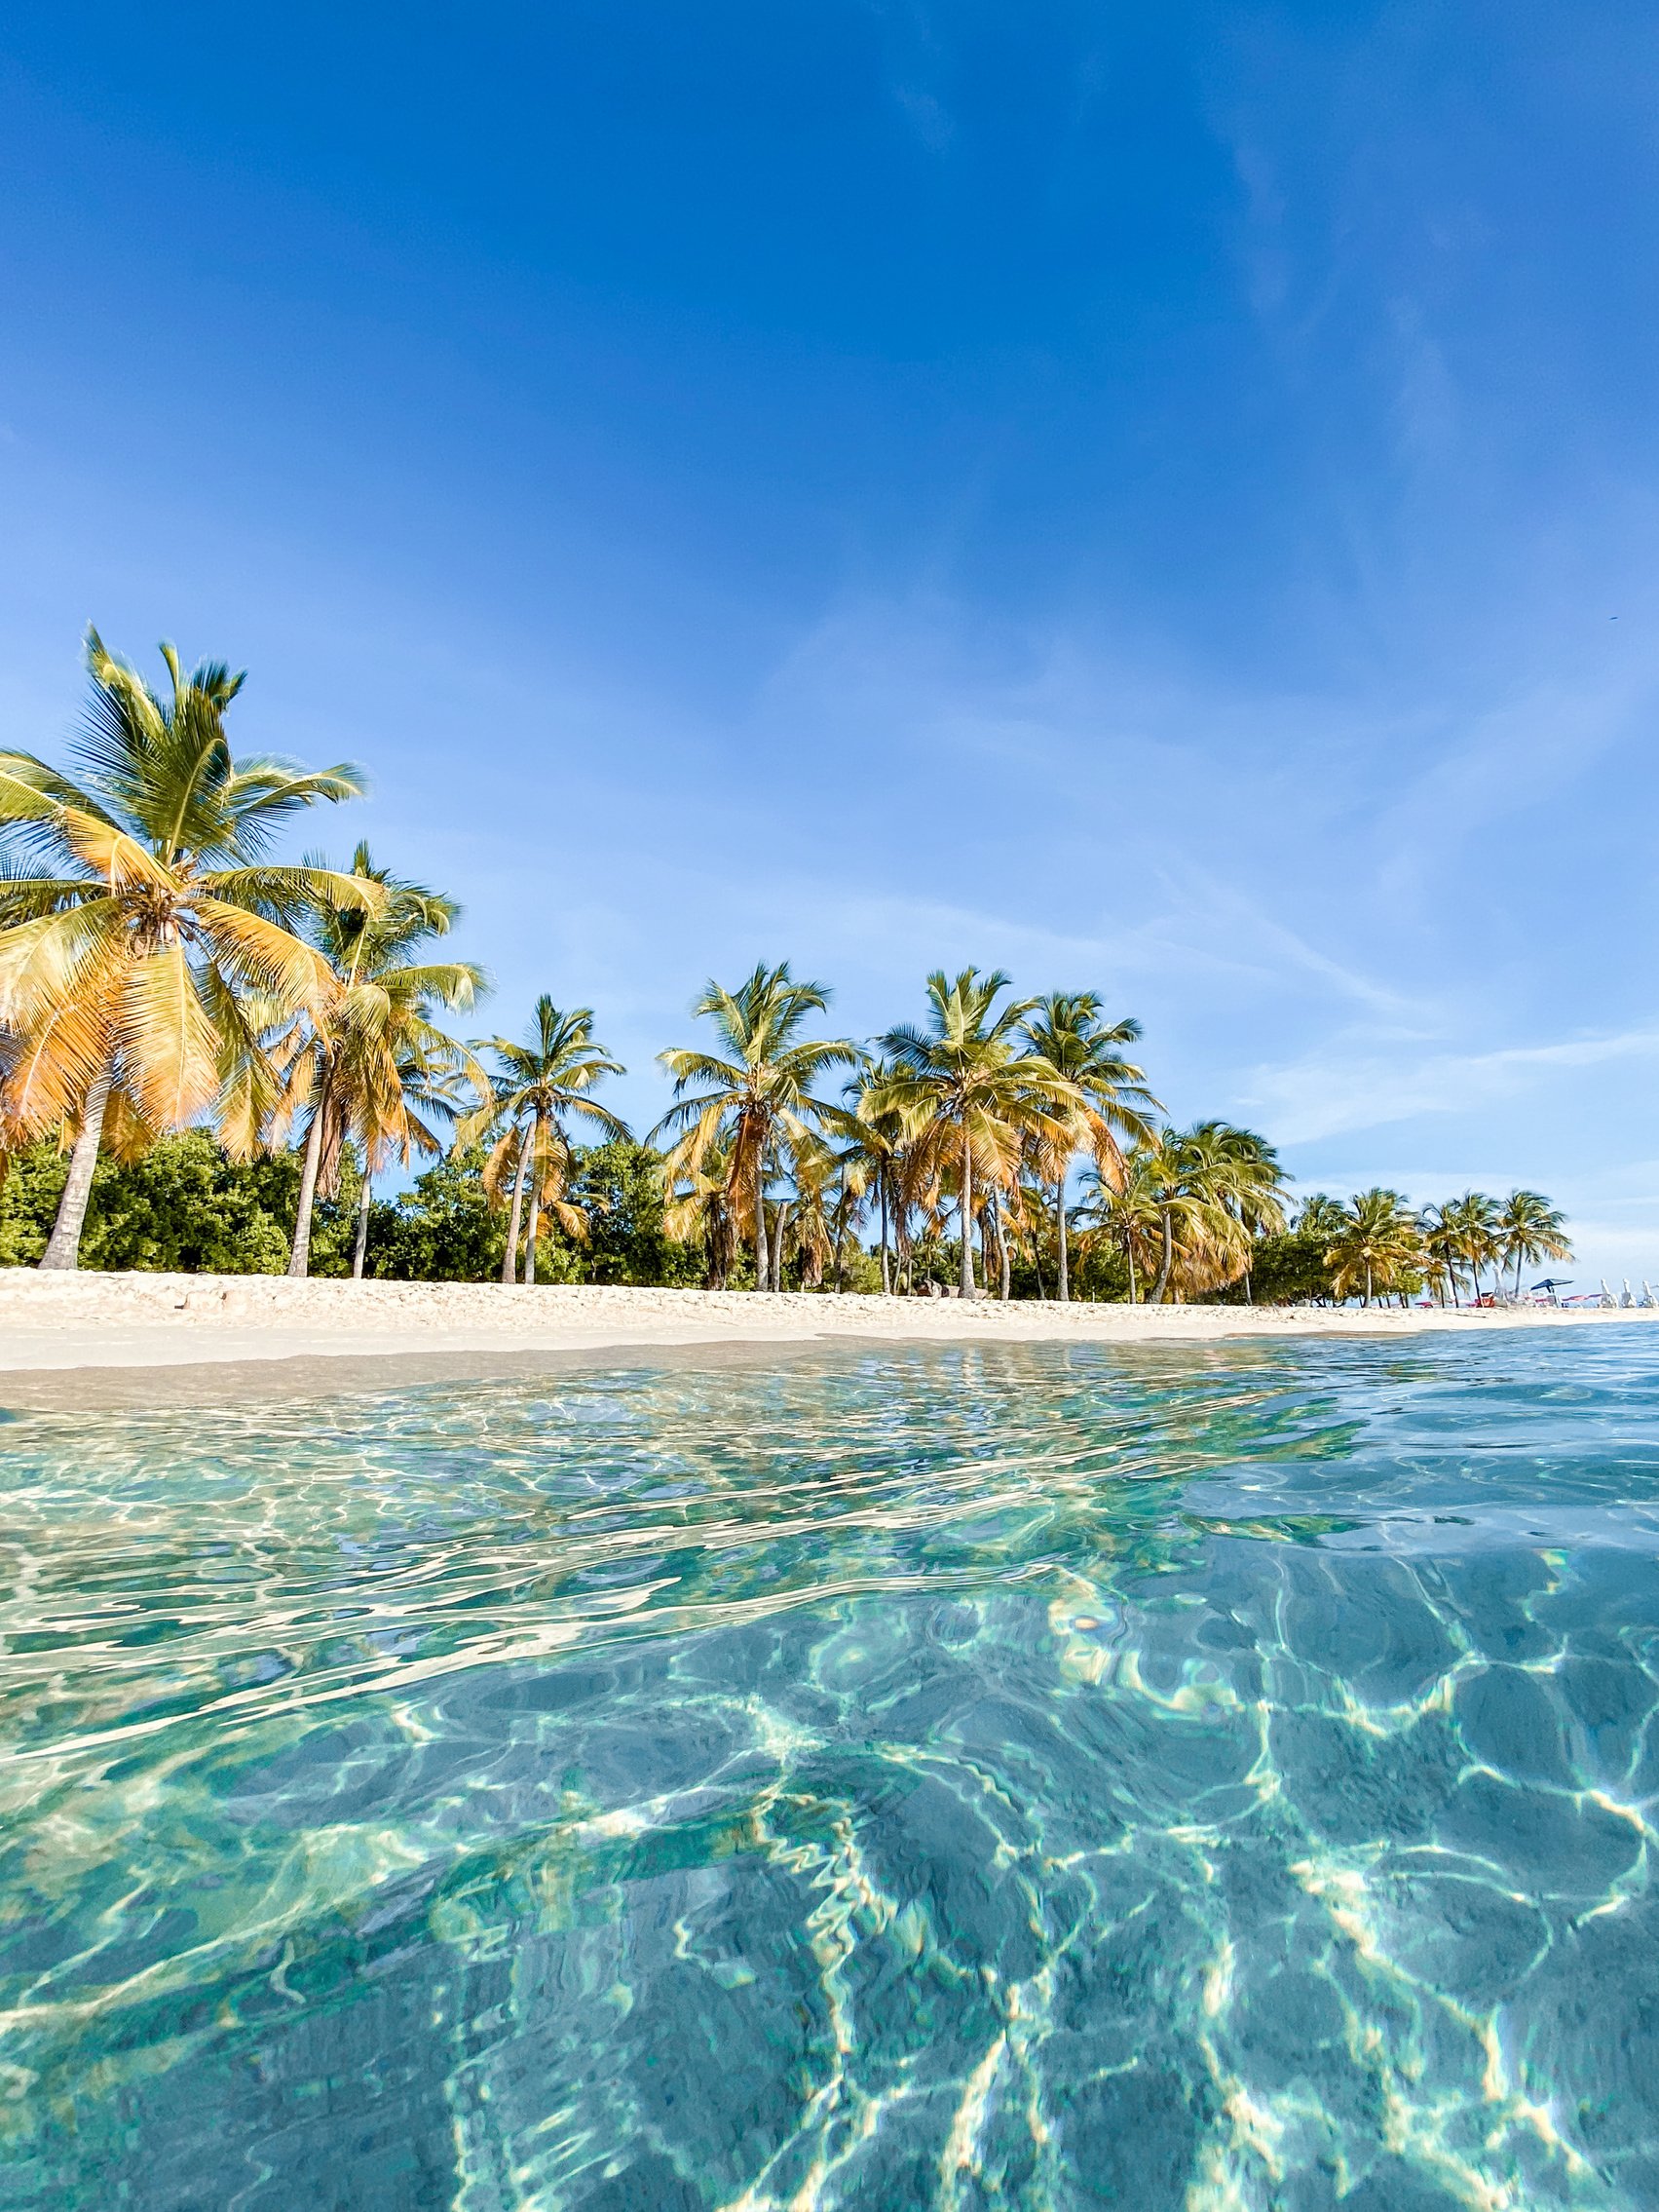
1127 1212
1320 1215
1442 1238
1530 1229
146 945
697 1203
756 1101
1069 1030
1320 1219
879 1142
541 1084
376 1032
434 1087
1215 1184
849 1196
1248 1182
1377 1244
970 1091
1474 1223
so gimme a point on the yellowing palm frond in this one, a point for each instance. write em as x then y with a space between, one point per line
262 957
165 1044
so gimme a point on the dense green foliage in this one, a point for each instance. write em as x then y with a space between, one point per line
185 1207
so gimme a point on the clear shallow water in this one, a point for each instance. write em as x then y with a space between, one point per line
1029 1777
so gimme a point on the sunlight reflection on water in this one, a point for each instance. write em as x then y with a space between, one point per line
1018 1776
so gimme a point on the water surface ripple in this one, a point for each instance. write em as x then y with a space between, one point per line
1036 1776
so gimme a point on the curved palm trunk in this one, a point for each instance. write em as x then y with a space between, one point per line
510 1258
780 1220
1168 1267
1064 1292
886 1272
1005 1258
966 1270
63 1248
1129 1255
299 1258
360 1248
1367 1283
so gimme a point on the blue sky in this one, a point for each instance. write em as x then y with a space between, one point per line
1163 500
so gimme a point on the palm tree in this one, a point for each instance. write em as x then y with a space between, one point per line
879 1140
970 1092
1205 1181
696 1204
1378 1241
1442 1240
1473 1220
1320 1215
146 946
540 1083
851 1191
757 1104
1530 1229
376 1037
1126 1212
1320 1219
1249 1182
1068 1030
433 1085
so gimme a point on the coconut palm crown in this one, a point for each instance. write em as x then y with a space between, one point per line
375 1046
1069 1031
540 1083
970 1091
757 1101
1530 1229
145 940
1378 1243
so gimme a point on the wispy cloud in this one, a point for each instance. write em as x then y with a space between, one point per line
1331 1091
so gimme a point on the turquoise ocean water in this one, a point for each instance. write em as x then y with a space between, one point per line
1220 1780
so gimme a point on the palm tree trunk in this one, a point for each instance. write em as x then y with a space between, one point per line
1065 1290
762 1250
1004 1257
299 1258
1367 1283
1168 1267
1129 1255
965 1275
510 1258
63 1248
779 1219
360 1248
535 1205
886 1273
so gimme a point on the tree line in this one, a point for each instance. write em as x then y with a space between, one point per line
208 1057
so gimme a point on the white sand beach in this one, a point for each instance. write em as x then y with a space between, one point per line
50 1323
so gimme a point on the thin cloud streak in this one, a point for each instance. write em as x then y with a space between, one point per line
1328 1095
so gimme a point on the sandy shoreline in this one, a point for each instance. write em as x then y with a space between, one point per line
53 1324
